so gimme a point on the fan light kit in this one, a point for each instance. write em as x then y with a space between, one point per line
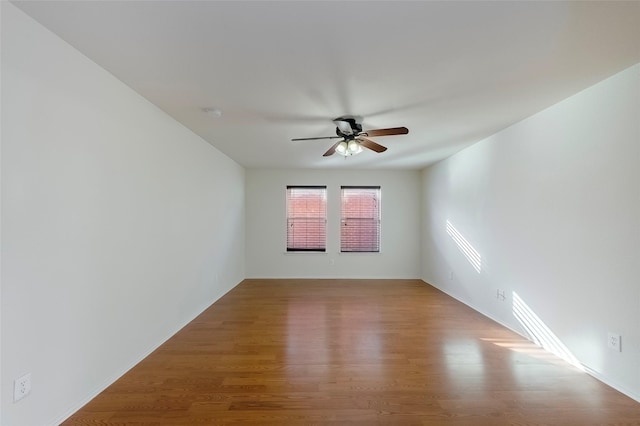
348 149
354 139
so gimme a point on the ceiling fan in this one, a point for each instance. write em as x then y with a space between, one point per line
349 129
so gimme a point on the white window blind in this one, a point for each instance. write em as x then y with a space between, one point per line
306 218
360 224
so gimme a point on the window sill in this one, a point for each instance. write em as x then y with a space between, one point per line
365 253
339 253
297 253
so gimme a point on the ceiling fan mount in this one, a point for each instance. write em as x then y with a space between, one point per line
349 129
348 125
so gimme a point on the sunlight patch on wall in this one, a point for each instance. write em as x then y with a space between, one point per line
465 247
539 333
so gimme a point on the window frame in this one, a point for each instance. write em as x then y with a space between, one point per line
351 248
290 245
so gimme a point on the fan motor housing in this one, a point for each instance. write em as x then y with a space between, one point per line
356 127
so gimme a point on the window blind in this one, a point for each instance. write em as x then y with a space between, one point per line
306 218
360 223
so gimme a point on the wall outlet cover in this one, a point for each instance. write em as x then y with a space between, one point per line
21 387
614 342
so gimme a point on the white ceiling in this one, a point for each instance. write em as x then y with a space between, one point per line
452 72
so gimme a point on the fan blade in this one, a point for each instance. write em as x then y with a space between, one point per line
313 139
331 150
368 143
388 132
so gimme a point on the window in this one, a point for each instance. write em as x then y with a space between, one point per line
306 218
360 225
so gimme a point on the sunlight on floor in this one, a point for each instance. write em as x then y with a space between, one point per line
465 362
526 348
307 338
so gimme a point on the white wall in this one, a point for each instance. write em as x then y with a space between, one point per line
552 206
118 224
266 226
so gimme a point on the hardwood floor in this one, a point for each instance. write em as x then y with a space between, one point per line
352 352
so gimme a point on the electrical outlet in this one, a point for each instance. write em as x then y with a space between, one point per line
614 341
21 387
500 295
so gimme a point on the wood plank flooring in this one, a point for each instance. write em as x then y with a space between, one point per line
352 352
